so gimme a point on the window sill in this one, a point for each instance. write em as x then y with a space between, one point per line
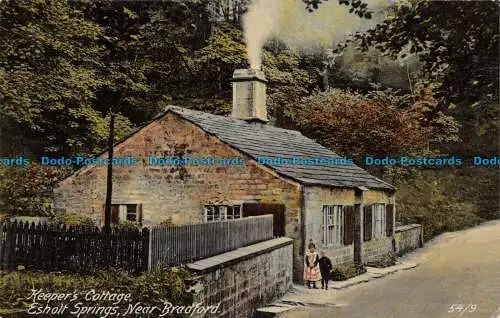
334 245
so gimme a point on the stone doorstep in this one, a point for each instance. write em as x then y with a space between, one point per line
273 311
363 278
277 308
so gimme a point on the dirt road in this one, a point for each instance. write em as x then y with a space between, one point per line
460 278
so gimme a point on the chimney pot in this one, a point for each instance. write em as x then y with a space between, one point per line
249 95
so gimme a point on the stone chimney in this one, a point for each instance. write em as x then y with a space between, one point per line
249 95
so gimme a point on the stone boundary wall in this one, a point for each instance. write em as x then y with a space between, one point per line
374 249
240 281
408 238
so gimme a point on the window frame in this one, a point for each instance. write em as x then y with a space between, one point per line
379 216
225 212
333 225
127 213
122 212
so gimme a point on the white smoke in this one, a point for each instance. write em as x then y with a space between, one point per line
289 21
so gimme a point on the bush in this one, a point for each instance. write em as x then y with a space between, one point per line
74 219
385 261
27 190
126 224
346 271
167 221
150 289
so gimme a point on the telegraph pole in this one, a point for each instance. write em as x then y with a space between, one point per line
109 179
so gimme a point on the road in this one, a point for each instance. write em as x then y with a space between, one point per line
462 270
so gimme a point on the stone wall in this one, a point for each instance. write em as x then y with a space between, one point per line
408 238
240 281
375 248
180 193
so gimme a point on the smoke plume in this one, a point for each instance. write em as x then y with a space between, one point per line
289 21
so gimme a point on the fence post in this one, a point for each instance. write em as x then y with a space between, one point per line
421 243
146 248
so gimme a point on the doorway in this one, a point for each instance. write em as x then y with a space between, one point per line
277 210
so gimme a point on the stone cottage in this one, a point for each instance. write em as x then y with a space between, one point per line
193 167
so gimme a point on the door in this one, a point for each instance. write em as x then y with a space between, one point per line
277 210
115 214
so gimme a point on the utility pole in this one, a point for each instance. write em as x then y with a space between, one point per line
109 180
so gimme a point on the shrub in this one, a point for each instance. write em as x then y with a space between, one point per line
167 221
74 219
384 261
346 271
129 224
150 289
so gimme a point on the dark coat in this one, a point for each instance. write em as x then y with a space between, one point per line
325 266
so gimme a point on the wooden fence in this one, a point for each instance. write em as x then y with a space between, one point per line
56 247
187 243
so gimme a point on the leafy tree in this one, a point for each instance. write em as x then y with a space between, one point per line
48 62
289 81
125 88
456 42
27 190
356 126
356 6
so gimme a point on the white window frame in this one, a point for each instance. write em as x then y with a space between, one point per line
224 212
333 225
378 220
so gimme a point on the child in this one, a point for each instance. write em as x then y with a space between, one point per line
311 270
325 266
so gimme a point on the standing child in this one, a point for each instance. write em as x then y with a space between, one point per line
325 266
311 270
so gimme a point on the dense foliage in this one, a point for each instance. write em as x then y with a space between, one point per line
344 122
424 82
28 190
150 289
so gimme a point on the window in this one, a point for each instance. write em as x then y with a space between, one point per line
378 224
233 212
131 210
120 212
222 212
333 225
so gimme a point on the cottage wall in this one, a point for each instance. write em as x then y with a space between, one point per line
378 247
179 192
316 197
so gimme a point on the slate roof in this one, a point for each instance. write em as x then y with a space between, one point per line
261 140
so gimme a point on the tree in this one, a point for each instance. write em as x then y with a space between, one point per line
289 81
356 6
456 42
26 190
48 60
355 126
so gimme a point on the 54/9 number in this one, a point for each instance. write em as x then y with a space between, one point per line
462 308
